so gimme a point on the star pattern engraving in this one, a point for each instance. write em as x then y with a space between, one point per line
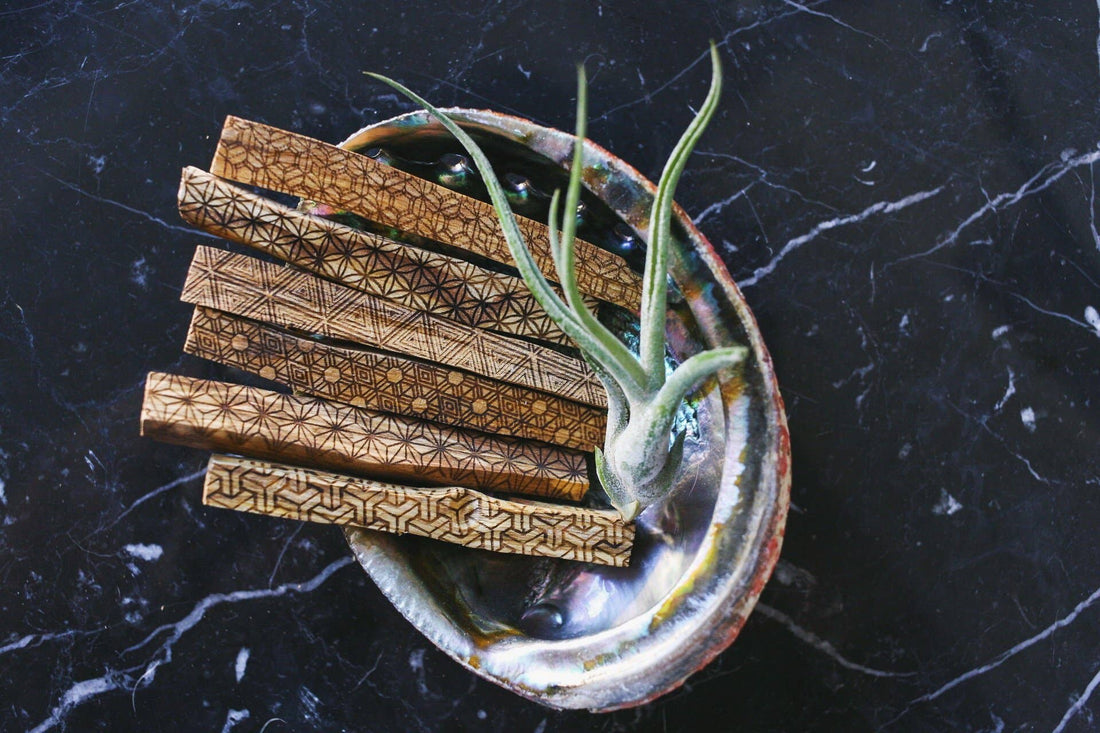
257 290
259 155
247 420
420 279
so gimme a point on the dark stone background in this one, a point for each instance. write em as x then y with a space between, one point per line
905 192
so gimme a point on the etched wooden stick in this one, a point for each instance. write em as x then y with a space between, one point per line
282 161
450 514
237 419
379 381
248 287
421 279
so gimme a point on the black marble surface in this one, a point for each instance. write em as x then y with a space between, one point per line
905 192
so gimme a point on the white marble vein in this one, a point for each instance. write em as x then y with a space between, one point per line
1056 314
821 645
1009 391
1078 704
130 209
881 207
1004 656
241 665
1047 176
983 423
163 654
234 717
1098 34
802 8
123 679
31 641
180 481
648 96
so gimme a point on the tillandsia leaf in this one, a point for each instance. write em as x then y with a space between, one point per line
655 281
601 345
626 503
567 260
565 251
666 402
561 249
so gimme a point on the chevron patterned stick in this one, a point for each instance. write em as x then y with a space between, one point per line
427 281
379 381
251 288
236 419
450 514
263 156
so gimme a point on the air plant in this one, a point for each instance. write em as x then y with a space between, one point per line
640 456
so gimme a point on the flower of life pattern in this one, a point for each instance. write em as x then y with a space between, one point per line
255 422
259 155
378 381
259 290
428 281
450 514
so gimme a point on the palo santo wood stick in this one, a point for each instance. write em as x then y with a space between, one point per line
250 288
237 419
427 281
449 514
282 161
378 381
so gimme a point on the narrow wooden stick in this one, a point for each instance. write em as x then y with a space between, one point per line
379 381
421 279
248 287
450 514
236 419
282 161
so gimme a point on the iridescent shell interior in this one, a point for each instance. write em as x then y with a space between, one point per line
573 635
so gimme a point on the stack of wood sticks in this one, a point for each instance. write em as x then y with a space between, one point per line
404 364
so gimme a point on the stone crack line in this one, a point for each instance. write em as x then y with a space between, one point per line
124 679
1009 654
881 207
821 645
1047 176
1078 704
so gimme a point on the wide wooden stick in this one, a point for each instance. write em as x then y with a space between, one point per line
282 161
421 279
236 419
393 384
251 288
450 514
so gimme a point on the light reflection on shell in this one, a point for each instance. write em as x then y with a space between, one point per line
572 635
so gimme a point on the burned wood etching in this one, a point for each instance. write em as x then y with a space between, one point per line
258 155
407 364
237 419
450 514
389 383
420 279
258 290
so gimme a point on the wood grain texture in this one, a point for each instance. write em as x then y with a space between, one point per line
450 514
282 161
420 279
256 422
389 383
251 288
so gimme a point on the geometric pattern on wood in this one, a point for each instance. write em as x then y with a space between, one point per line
259 155
389 383
450 514
427 281
232 418
251 288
